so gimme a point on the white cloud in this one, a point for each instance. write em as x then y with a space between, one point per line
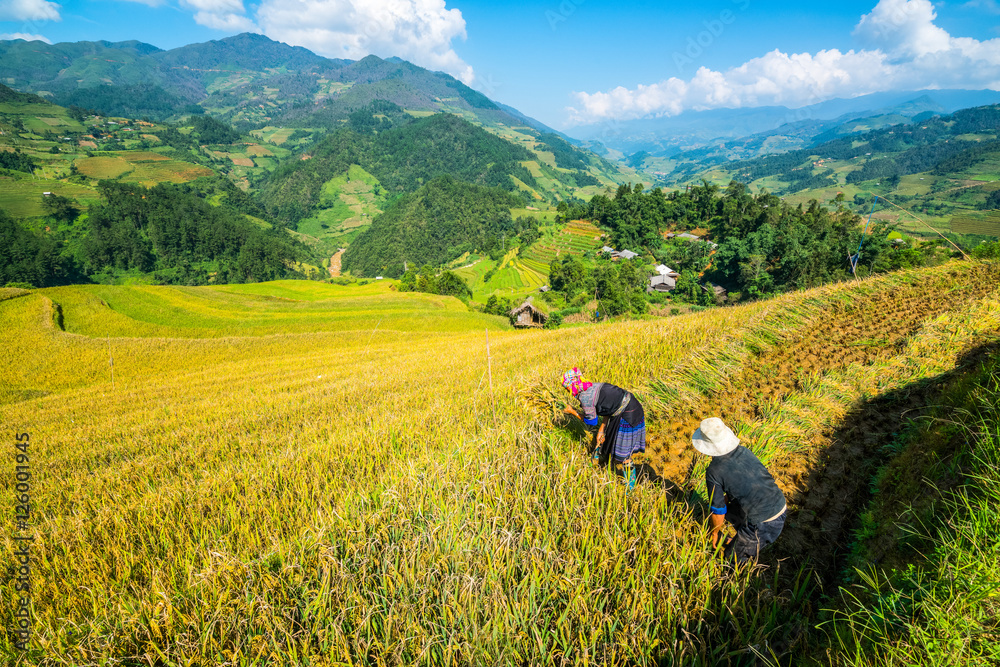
148 3
28 10
904 50
903 29
216 6
420 31
225 15
227 21
25 36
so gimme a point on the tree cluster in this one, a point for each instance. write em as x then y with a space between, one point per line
126 101
618 287
60 207
760 245
17 161
434 225
165 227
30 258
498 305
432 282
213 131
565 155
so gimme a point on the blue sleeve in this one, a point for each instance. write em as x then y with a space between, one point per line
590 422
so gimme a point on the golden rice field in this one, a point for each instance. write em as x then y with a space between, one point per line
146 168
301 473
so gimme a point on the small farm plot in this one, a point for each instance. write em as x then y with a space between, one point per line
22 197
144 167
103 167
273 135
986 223
576 237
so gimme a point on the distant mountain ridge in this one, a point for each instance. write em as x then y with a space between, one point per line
666 136
248 79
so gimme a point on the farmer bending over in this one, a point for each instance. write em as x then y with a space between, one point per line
741 491
623 431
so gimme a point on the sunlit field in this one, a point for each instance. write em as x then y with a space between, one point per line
301 473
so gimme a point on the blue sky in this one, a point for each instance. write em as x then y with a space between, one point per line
568 62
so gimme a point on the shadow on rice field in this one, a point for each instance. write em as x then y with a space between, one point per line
839 484
844 388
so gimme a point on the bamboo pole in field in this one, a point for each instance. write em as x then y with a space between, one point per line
371 336
111 360
489 367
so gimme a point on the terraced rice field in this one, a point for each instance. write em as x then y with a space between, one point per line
986 223
351 201
147 168
577 236
274 135
22 197
301 473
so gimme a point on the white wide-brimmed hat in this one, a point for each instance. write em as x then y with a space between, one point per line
714 438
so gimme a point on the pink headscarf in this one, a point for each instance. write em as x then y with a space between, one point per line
573 379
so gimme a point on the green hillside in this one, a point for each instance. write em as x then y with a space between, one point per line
330 190
246 79
401 159
398 154
255 83
439 222
944 169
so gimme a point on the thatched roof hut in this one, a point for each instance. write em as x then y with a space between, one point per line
528 315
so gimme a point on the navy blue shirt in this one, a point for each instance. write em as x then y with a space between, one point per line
743 478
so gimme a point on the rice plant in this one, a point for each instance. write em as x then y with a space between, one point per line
296 473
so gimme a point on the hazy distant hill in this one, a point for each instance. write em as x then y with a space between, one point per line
943 168
667 136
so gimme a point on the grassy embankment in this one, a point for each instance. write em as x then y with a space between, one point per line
297 472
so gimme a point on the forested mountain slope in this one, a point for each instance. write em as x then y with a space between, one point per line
434 225
246 79
402 158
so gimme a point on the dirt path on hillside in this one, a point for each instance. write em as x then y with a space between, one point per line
335 263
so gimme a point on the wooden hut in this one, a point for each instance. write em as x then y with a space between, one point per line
528 315
661 284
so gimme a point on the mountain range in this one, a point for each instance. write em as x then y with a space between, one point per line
248 80
785 127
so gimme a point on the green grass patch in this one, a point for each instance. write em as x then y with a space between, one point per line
22 197
940 608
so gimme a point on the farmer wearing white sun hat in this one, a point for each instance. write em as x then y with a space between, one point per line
740 490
